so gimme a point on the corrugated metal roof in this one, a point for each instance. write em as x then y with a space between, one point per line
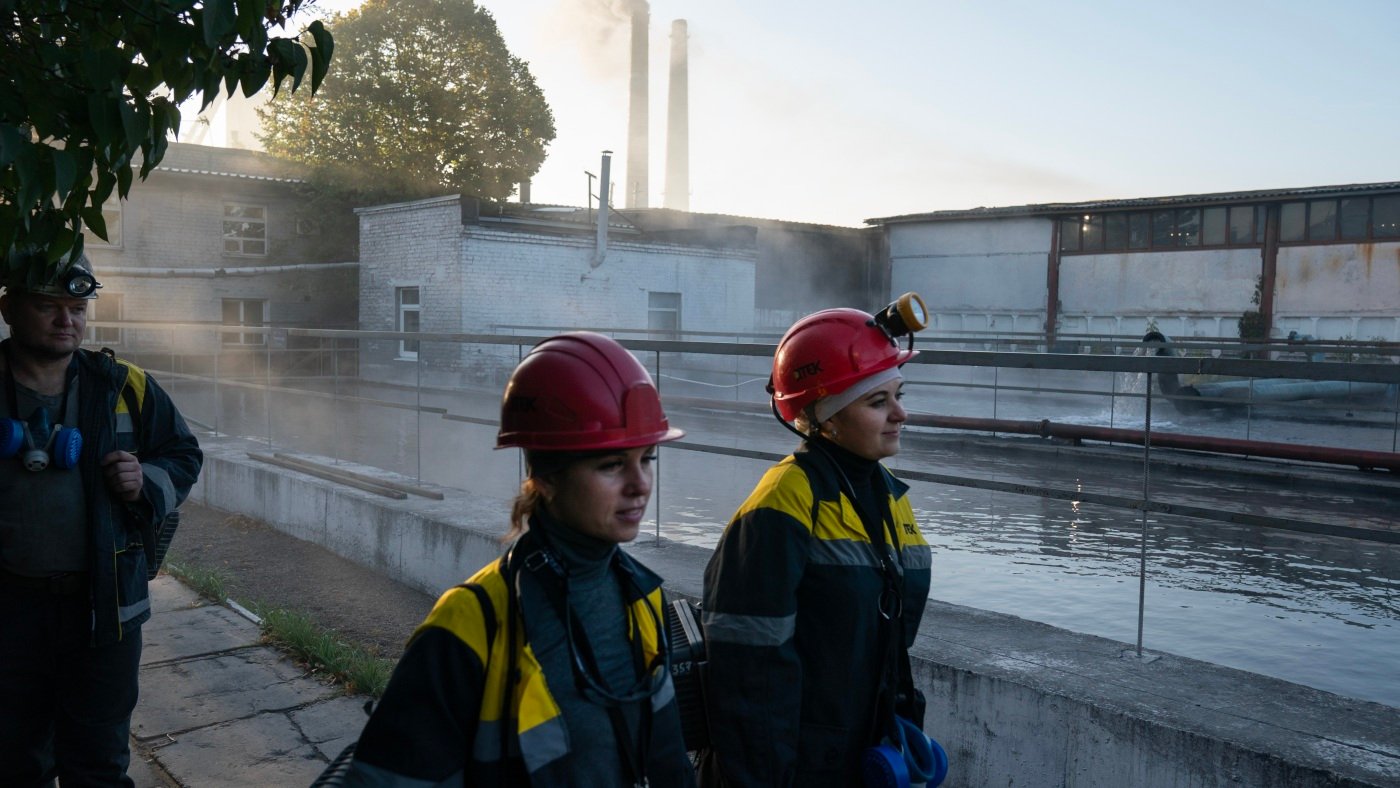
1137 203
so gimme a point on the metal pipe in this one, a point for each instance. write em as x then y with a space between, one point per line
1170 440
603 196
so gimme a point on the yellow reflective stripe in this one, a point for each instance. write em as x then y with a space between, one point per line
136 379
535 705
784 487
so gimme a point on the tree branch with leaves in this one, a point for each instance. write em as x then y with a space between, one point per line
87 85
426 100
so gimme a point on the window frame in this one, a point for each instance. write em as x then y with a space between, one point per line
654 311
240 240
401 310
237 339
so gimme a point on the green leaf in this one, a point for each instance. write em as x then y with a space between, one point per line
256 71
65 170
93 219
63 241
250 15
219 20
132 124
321 53
299 63
106 181
123 180
11 140
256 38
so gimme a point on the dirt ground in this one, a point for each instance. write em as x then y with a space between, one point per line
263 565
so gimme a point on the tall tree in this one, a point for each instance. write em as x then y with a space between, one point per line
426 99
86 84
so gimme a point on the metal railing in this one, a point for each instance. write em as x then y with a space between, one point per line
373 407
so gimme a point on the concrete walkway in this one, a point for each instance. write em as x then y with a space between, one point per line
218 708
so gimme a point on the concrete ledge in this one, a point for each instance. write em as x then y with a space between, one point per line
1014 702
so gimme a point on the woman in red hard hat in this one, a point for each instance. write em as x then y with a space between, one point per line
549 667
815 591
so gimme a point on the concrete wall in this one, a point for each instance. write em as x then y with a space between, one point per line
1014 702
979 276
1339 291
1185 293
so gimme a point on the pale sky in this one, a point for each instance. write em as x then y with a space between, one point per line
812 110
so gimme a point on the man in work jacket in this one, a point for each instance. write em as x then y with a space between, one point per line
797 663
493 720
76 532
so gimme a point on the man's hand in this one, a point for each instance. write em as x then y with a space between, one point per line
123 474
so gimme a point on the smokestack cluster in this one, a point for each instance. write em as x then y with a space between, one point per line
677 193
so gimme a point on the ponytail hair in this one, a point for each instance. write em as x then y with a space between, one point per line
540 466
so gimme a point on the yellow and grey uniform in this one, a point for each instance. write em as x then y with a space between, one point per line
793 624
445 718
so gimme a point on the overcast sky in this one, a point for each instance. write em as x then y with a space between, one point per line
813 110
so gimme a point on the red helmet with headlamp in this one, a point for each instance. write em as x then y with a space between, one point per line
827 352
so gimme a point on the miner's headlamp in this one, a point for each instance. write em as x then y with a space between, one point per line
904 315
79 283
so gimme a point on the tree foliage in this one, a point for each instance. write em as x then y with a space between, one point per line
87 84
426 100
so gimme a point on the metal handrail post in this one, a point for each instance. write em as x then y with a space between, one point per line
267 386
656 485
1146 496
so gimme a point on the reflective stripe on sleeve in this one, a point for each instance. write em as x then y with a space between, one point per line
543 744
916 556
842 552
750 630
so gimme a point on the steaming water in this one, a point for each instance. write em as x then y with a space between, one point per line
1319 611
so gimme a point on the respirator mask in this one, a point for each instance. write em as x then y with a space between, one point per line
39 444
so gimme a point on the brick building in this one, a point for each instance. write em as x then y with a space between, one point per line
216 236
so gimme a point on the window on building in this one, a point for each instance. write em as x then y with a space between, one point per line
1292 221
1354 218
1139 230
1385 216
1322 220
112 218
409 312
1092 233
664 315
1069 235
1163 229
248 312
245 229
106 309
1115 231
1188 227
1213 226
1242 219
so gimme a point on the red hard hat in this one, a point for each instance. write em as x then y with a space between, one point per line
581 392
825 353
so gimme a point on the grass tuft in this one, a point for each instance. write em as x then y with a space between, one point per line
297 634
325 651
208 583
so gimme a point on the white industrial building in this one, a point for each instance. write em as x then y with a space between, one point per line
1321 261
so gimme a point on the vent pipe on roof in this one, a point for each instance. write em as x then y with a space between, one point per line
604 186
677 194
637 140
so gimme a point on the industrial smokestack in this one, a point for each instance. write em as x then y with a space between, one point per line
637 141
678 123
